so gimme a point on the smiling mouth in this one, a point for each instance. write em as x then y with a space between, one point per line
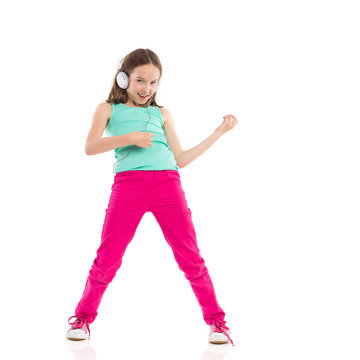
143 97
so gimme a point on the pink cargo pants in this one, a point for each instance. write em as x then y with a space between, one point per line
134 193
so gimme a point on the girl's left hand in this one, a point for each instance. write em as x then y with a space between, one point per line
229 123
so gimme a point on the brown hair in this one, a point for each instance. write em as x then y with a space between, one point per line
136 58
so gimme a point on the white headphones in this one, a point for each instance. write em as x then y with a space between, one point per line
122 78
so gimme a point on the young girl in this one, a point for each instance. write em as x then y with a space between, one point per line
147 179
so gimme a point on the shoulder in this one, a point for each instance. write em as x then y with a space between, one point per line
165 113
104 109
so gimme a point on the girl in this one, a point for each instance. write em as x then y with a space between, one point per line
147 179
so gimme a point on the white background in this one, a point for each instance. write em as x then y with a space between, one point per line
275 201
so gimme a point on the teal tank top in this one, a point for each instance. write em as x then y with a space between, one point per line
125 119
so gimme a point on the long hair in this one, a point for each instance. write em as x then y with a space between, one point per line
136 58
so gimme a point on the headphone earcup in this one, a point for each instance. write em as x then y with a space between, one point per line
122 80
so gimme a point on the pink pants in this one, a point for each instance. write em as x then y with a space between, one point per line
133 194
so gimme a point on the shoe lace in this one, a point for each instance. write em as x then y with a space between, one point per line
79 323
219 326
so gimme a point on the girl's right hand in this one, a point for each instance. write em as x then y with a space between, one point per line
142 139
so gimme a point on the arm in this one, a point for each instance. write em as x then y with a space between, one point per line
190 155
95 143
104 144
182 157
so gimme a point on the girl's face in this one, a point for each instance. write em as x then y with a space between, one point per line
142 81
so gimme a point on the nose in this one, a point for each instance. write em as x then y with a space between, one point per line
147 89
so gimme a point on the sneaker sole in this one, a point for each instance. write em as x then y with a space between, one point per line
74 337
218 342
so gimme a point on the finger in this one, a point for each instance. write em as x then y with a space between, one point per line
231 117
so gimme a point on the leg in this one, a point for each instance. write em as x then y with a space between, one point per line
124 212
169 206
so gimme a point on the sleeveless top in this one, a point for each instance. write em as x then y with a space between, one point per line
158 156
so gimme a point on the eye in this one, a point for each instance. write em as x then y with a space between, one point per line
154 82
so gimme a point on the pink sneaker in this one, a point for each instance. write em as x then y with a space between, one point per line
219 333
79 330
